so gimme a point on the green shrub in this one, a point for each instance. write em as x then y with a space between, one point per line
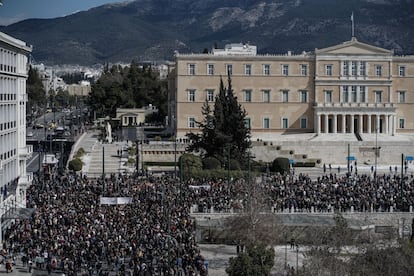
75 165
235 165
280 165
79 153
211 163
132 151
304 164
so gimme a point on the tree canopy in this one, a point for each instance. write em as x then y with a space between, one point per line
35 90
222 129
128 87
257 260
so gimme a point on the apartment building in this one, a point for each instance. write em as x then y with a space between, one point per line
352 87
13 149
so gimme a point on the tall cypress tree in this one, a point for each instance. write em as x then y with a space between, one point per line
206 140
224 129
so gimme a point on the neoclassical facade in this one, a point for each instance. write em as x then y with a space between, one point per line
14 180
352 87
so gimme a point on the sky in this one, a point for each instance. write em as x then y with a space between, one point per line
16 10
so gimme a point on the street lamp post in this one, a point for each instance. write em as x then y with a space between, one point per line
376 150
175 158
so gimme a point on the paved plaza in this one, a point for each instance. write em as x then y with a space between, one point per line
98 153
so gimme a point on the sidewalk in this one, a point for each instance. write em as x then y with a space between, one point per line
114 155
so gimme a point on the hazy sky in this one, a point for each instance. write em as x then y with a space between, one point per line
16 10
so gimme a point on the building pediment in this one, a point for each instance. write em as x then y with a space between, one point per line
354 47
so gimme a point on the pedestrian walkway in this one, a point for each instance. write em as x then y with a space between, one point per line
101 157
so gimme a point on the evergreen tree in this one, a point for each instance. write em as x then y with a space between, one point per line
223 129
206 140
35 90
128 87
257 260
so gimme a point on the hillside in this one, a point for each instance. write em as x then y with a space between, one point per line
154 29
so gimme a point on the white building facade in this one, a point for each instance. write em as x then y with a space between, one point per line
14 180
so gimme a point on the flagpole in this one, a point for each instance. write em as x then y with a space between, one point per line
353 27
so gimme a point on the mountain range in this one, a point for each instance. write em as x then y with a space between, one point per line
151 30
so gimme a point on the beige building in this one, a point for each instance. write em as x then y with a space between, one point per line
352 87
134 116
81 89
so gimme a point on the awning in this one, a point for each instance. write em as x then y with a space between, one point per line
351 158
409 158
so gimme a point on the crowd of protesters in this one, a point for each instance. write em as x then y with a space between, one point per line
299 193
153 234
70 231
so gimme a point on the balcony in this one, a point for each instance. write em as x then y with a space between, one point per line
26 152
26 180
355 105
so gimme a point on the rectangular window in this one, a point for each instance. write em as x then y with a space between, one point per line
285 70
229 69
353 94
248 95
266 123
401 96
210 95
266 69
345 68
362 94
247 123
378 70
191 95
378 96
285 96
353 68
328 96
191 122
303 123
401 123
328 70
362 68
191 69
303 96
266 96
304 69
345 94
285 123
247 69
401 71
210 69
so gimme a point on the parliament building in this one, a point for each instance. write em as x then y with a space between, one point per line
352 87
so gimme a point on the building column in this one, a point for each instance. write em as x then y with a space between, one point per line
369 124
377 123
394 124
343 123
352 123
334 123
318 124
326 123
386 123
361 123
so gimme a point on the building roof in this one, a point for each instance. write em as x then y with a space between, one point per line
353 46
14 42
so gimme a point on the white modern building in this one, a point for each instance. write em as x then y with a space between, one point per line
14 180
